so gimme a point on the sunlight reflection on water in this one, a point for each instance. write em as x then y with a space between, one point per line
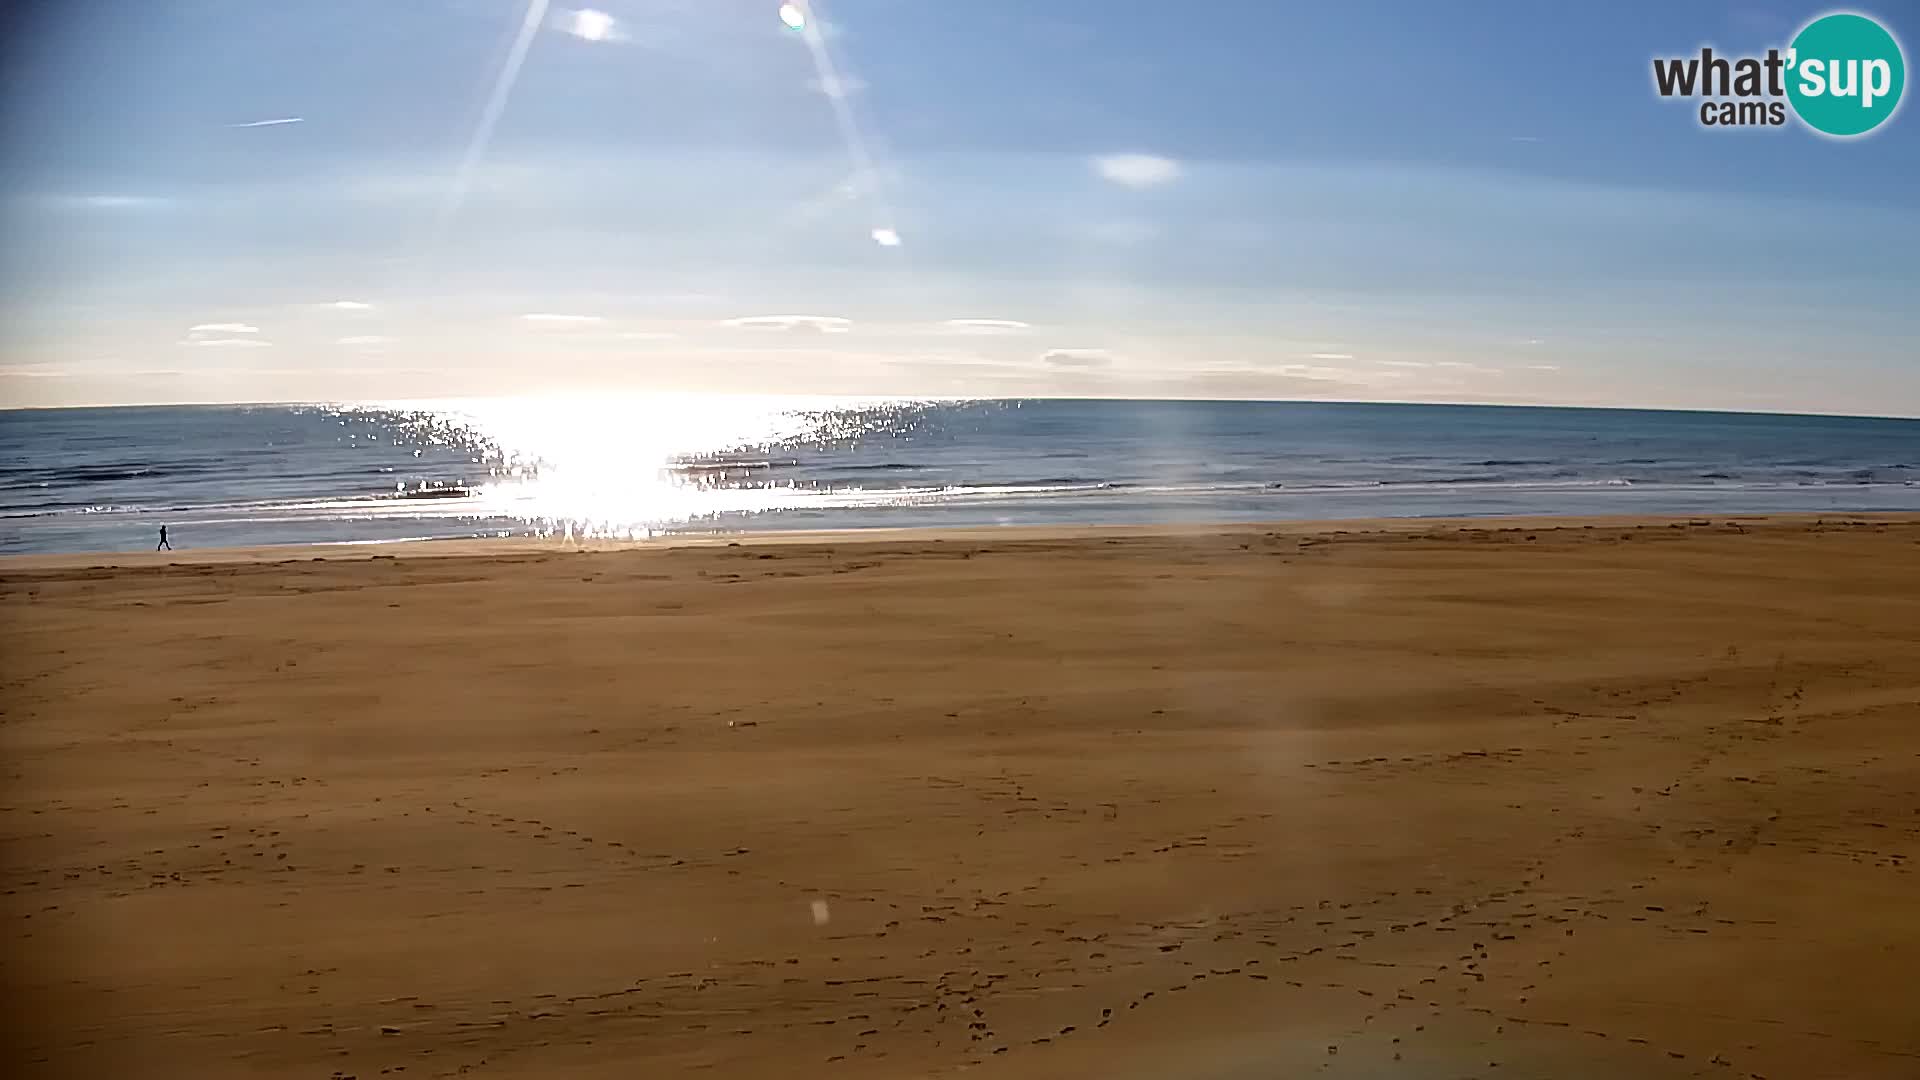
623 467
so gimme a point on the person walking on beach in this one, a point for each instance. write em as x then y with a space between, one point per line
163 545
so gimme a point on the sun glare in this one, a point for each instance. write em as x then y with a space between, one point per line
622 467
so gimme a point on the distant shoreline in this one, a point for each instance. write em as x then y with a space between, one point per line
1688 410
1352 528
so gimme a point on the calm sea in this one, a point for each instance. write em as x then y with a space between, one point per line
106 479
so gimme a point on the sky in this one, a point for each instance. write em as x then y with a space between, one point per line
228 200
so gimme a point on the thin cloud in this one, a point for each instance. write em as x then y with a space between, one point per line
1543 367
271 123
364 339
648 335
226 343
349 305
822 324
1137 170
1077 358
1311 371
222 328
985 326
105 202
59 371
1329 356
1404 363
547 318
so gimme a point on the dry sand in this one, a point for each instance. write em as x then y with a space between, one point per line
1430 802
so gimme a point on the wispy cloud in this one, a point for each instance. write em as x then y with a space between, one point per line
1077 358
648 335
985 326
823 324
550 319
1137 170
1404 363
220 335
66 371
1462 365
226 343
36 371
1329 356
276 122
1312 371
349 305
364 339
104 202
1543 367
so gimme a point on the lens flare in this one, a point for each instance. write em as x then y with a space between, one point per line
591 25
536 14
828 78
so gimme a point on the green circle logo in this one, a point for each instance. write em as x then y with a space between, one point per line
1845 74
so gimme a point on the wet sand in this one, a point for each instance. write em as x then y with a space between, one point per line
1594 800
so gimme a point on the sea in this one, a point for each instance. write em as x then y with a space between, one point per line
107 479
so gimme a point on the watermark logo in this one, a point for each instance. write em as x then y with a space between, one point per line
1842 75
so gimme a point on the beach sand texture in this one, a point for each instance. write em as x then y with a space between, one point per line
1495 800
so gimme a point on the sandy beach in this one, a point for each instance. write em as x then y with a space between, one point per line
1501 799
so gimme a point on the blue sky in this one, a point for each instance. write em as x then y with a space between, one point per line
1377 201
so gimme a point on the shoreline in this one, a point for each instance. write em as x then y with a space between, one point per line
366 550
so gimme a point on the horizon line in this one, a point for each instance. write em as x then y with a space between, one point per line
955 398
